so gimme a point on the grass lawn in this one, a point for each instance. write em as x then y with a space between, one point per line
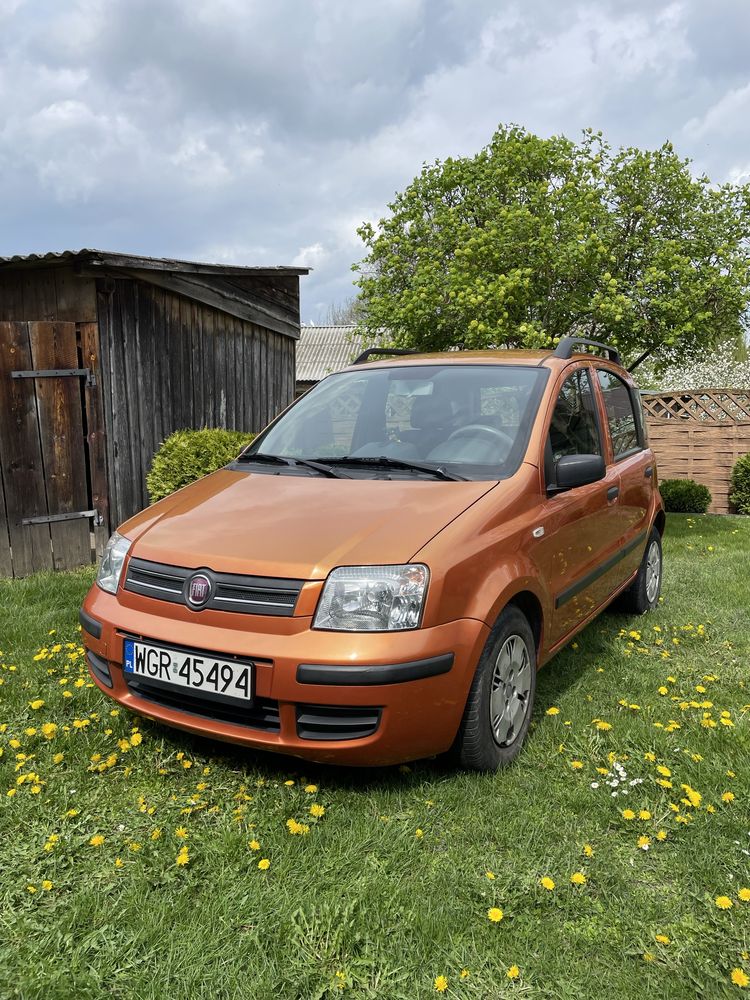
391 886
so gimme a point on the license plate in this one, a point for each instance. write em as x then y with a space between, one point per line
196 671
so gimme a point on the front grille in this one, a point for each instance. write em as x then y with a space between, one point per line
262 713
247 595
332 722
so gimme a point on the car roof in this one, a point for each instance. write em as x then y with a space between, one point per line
532 359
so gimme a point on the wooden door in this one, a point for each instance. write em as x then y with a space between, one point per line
52 472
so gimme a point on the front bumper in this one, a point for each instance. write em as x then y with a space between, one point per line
335 697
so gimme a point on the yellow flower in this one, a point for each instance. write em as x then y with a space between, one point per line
495 914
58 758
552 711
644 814
31 888
602 726
628 814
649 756
36 704
136 739
661 835
264 864
489 875
183 856
576 765
648 956
289 783
441 984
311 789
419 834
740 978
588 851
181 832
727 797
119 863
97 840
464 974
744 895
663 771
316 810
724 902
297 828
547 883
254 845
513 972
155 834
644 843
578 878
662 939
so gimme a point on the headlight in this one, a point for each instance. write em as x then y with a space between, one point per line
373 598
113 558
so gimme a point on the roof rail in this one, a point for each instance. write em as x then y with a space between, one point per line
377 352
565 348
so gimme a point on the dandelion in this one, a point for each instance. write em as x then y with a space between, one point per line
181 832
441 984
602 726
464 974
547 883
311 789
578 878
744 895
36 704
724 902
316 810
727 797
513 972
156 833
264 864
740 978
489 875
495 914
97 840
419 833
576 765
662 835
648 956
183 856
46 885
644 843
662 939
644 814
552 711
588 851
296 828
628 814
289 783
136 739
254 845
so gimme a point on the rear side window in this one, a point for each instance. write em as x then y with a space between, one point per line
621 416
574 429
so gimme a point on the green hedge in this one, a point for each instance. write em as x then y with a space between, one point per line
684 496
188 455
739 493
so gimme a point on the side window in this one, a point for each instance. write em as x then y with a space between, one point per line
574 428
621 416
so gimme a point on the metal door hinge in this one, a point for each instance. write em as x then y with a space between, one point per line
57 373
49 518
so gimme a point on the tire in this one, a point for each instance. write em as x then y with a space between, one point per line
487 741
643 594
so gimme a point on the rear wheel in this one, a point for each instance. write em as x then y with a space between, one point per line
643 594
498 709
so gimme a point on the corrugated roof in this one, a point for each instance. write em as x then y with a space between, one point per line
107 259
325 349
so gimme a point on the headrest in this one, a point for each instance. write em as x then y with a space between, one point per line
430 411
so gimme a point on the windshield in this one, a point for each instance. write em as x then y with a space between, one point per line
472 421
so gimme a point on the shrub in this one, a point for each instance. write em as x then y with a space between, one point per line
188 455
739 493
685 496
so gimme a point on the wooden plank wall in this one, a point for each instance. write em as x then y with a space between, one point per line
170 363
43 313
705 452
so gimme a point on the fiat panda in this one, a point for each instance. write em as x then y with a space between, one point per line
379 575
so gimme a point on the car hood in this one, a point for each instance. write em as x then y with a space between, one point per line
293 526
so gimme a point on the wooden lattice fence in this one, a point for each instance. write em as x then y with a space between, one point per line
700 435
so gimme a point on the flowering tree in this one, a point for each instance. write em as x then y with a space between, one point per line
534 239
718 370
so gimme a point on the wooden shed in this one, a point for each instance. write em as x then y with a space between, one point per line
102 355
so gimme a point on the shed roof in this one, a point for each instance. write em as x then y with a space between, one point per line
325 349
108 259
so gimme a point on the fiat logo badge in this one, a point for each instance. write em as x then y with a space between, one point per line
198 590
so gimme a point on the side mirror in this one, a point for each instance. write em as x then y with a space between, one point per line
577 470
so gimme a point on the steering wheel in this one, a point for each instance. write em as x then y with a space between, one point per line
485 429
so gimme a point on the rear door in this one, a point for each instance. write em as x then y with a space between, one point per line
629 458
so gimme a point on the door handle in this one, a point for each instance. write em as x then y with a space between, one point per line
613 493
648 471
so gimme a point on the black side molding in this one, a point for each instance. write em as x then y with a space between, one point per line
99 668
89 624
388 673
567 595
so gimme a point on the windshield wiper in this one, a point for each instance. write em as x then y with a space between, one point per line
385 461
306 463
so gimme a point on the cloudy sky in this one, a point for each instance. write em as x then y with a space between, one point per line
264 131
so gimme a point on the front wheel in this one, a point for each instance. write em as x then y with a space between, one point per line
498 709
643 594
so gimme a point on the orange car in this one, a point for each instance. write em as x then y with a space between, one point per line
377 577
